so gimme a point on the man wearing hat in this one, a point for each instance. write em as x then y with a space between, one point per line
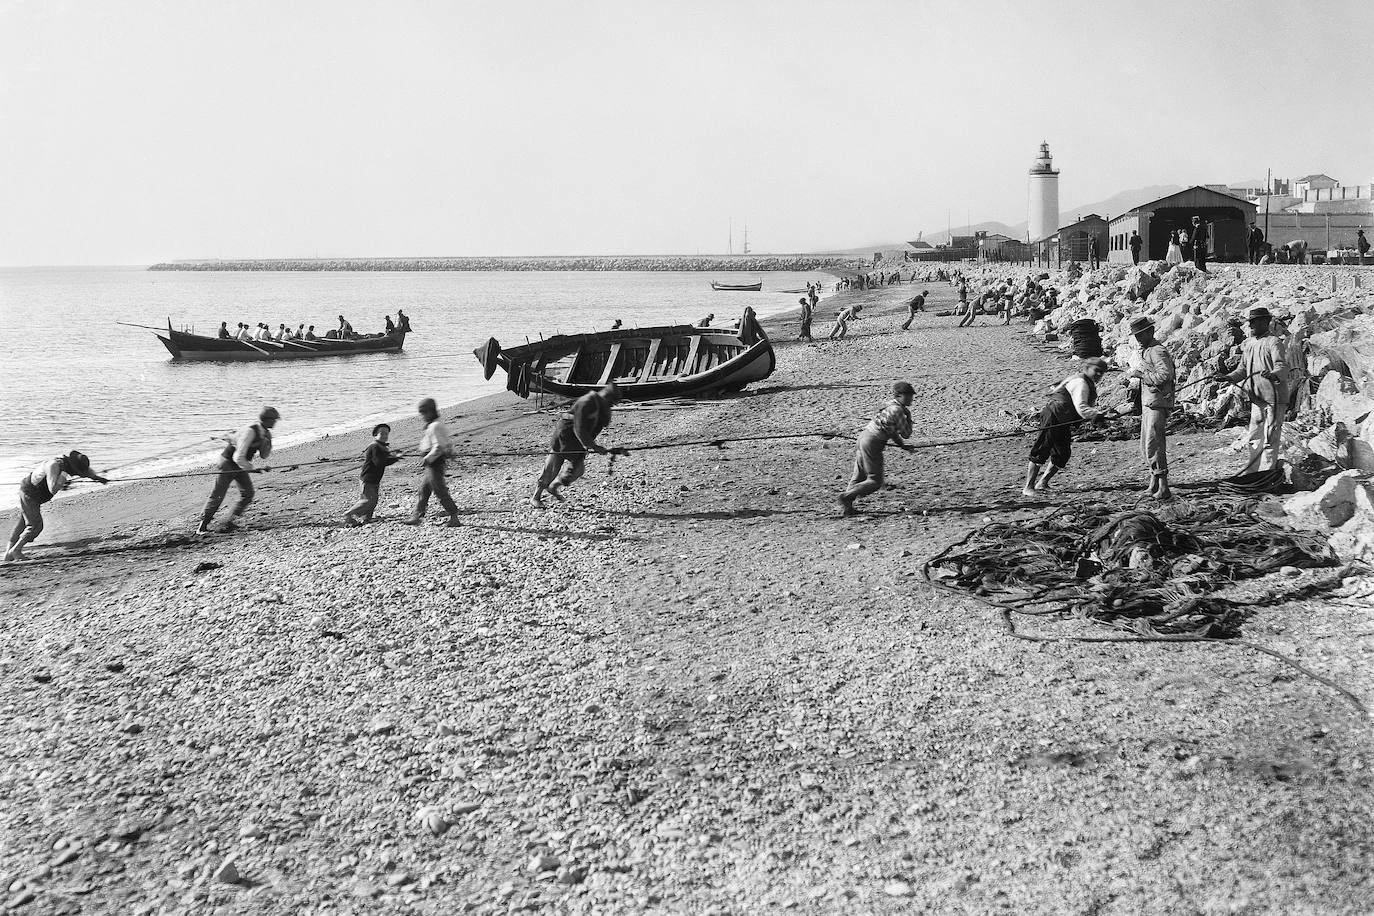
235 466
1070 403
892 424
1156 374
1263 376
38 487
1197 241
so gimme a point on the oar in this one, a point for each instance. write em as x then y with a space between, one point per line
143 326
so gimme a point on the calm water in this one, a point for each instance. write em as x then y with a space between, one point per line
70 377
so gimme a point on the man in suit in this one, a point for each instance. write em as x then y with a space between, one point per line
1197 241
1256 243
1135 243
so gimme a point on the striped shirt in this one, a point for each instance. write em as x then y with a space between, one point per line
893 420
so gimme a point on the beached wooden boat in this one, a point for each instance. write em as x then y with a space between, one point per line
737 287
196 347
647 363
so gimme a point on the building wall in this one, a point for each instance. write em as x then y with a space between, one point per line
1044 206
1120 233
1312 228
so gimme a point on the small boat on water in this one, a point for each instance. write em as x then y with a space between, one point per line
183 345
737 287
647 363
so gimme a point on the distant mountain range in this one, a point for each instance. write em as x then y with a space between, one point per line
1116 204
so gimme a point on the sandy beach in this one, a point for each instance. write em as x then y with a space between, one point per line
692 688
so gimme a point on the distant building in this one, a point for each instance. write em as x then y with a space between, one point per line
1043 215
1318 182
1228 218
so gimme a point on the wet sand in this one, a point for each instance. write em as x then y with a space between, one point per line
691 688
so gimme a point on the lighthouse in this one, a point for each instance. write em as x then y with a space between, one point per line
1043 218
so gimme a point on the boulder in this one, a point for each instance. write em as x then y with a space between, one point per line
1338 394
1329 506
1354 540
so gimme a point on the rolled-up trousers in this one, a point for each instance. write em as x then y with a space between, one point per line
435 485
1153 439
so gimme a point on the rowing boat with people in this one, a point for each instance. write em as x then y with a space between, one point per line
196 347
647 363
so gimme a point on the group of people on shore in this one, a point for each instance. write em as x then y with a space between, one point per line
264 333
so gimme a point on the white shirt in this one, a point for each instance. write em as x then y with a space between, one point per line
280 335
243 335
51 471
1077 387
436 441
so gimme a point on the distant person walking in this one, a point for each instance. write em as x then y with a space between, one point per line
916 303
1361 244
38 487
1136 243
236 467
1197 243
436 448
805 333
892 424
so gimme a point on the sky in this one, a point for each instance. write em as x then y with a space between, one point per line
144 131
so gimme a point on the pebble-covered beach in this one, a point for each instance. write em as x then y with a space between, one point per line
689 689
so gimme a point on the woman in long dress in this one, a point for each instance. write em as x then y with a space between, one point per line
1175 254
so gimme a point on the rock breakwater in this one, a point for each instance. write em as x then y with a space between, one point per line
800 262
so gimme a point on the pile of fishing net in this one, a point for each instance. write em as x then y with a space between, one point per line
1086 337
1134 569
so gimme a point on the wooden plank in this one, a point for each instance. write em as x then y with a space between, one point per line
689 367
649 363
610 365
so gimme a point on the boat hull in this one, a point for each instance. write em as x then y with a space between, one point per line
738 287
645 363
195 348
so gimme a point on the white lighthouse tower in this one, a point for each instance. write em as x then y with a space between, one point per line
1044 197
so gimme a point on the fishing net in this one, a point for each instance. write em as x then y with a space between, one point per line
1156 575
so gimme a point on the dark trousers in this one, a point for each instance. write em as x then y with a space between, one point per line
367 502
1054 441
1254 254
1135 255
1199 257
229 472
434 485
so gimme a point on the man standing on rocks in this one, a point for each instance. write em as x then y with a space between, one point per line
235 466
1070 403
39 486
1197 241
436 447
892 424
1263 376
1136 243
574 436
1157 375
1256 243
915 304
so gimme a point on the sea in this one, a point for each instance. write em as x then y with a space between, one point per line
72 376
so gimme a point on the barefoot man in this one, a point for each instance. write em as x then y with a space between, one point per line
1156 374
1070 404
574 436
436 448
892 424
235 464
38 487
